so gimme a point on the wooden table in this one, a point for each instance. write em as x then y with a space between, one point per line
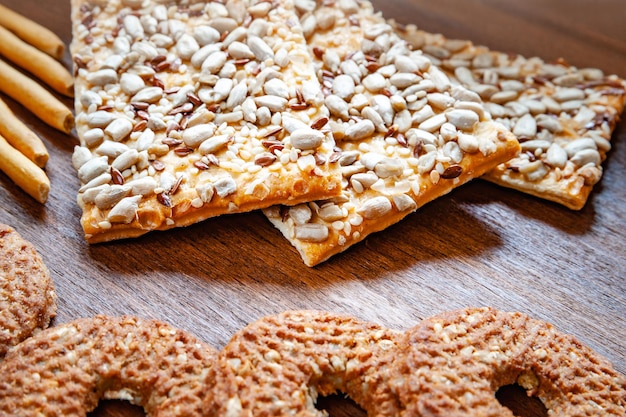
480 245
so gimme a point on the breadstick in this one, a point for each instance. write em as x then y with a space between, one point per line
35 98
32 32
21 137
41 65
28 176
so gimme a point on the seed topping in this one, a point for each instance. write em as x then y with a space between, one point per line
206 92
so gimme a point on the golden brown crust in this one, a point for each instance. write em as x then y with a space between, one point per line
179 127
474 166
27 296
564 116
424 139
67 369
452 364
183 213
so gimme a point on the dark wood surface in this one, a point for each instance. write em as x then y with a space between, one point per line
480 245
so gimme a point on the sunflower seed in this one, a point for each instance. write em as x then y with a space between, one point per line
125 211
119 129
186 46
343 87
307 138
110 196
579 145
93 168
300 214
404 202
80 157
259 48
126 160
102 77
237 95
462 119
111 149
213 143
131 83
311 232
205 35
360 130
99 119
337 106
148 95
568 94
426 162
375 207
526 127
330 213
556 156
586 156
274 103
534 171
239 50
434 123
142 186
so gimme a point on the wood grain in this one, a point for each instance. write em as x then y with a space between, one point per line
480 245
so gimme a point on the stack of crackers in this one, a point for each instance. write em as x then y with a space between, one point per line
332 120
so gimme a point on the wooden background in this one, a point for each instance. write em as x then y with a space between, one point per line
480 245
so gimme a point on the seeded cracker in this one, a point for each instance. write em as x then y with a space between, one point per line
562 115
405 135
188 110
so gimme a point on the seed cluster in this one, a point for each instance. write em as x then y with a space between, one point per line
563 116
335 121
194 104
404 133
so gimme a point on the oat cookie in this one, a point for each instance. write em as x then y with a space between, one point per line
563 116
27 296
405 135
65 370
452 364
191 109
278 365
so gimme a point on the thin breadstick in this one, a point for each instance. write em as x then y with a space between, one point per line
32 32
28 176
41 65
35 98
21 137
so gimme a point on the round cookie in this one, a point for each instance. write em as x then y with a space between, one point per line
278 365
65 370
27 297
454 363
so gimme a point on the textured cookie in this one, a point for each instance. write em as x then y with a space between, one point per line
563 116
278 365
187 110
65 370
405 135
453 363
27 296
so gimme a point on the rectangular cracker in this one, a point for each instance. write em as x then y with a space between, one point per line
405 135
188 110
563 116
